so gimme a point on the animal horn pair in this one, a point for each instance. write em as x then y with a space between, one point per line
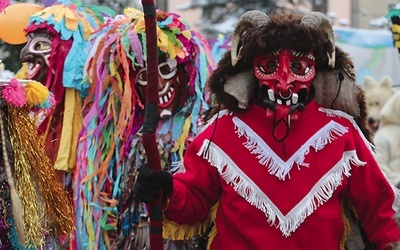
258 19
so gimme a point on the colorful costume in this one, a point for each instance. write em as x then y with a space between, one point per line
287 189
286 152
110 143
55 55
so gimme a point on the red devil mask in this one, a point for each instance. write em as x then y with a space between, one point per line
285 77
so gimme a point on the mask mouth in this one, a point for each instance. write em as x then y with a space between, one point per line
268 99
33 69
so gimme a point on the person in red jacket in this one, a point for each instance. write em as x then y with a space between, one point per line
286 160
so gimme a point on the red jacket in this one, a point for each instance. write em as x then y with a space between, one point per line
283 195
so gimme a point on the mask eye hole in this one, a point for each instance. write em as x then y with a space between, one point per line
42 45
39 43
142 77
300 67
166 71
268 65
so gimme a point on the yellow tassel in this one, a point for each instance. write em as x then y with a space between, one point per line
22 72
36 93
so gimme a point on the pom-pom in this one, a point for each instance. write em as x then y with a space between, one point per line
14 93
36 93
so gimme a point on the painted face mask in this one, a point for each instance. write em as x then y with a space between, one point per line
36 53
171 93
285 77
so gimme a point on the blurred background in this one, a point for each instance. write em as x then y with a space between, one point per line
363 27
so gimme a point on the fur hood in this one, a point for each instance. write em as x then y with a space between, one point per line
334 86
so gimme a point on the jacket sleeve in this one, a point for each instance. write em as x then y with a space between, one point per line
373 197
195 190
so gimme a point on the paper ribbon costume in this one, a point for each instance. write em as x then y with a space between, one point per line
109 148
55 55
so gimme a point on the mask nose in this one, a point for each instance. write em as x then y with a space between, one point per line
284 87
284 79
23 51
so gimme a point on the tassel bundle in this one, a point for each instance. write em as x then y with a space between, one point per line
36 93
30 93
56 202
16 202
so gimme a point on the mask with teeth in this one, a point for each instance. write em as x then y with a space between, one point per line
36 53
285 77
171 93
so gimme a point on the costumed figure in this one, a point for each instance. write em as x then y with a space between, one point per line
35 210
55 55
376 95
387 139
110 143
286 153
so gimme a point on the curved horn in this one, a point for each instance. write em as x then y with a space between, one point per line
252 18
318 20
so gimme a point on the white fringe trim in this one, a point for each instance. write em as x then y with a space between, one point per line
277 166
339 113
245 187
220 114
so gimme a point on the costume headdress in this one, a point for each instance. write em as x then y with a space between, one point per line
68 20
257 33
68 24
110 141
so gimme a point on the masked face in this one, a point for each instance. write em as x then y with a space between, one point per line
36 53
285 77
171 93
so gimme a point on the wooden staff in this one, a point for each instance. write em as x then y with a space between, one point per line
151 118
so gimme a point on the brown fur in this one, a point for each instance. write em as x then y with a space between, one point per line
281 32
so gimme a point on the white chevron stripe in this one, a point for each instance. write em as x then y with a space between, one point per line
277 166
320 193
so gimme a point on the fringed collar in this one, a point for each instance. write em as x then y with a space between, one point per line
277 166
341 114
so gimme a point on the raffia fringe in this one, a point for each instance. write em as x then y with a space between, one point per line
176 231
347 228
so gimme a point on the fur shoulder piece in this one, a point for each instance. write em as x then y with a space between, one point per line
337 89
